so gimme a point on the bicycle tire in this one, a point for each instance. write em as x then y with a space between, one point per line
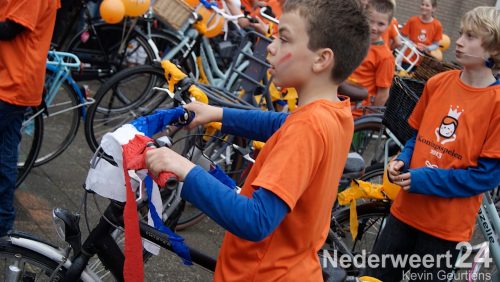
60 129
99 53
369 139
371 216
33 266
110 112
31 141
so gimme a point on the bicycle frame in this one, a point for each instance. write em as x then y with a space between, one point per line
489 222
191 40
62 72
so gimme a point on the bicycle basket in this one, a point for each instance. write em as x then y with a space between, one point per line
172 12
403 97
430 67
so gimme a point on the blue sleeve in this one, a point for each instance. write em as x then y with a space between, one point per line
254 124
452 183
407 152
252 219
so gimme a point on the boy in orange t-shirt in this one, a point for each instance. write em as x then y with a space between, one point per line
25 32
377 70
279 222
454 157
424 31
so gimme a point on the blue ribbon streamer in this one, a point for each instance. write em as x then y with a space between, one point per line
175 240
156 122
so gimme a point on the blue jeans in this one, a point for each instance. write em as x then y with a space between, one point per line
11 119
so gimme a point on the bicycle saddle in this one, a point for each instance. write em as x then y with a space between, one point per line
354 91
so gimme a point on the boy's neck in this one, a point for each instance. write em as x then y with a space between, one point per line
317 91
426 19
479 77
378 41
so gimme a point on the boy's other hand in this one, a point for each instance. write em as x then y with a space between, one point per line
421 47
394 170
164 159
203 114
404 180
260 26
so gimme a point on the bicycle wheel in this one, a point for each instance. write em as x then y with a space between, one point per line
165 41
371 219
61 121
371 216
124 97
99 51
31 141
369 139
32 266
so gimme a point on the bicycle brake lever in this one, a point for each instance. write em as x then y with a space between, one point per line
245 152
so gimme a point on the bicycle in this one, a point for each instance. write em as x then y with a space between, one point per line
58 118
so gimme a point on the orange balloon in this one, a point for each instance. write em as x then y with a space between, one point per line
112 11
135 8
444 43
211 23
192 3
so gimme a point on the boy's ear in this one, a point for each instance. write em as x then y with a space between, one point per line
325 59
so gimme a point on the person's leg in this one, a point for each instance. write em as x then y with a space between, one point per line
441 257
11 118
396 241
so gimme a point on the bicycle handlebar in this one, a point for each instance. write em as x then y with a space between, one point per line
65 59
263 13
213 6
165 179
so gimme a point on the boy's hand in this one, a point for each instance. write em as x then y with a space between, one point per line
421 47
203 114
164 159
395 176
260 26
404 180
394 170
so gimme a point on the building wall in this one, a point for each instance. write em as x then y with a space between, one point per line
449 13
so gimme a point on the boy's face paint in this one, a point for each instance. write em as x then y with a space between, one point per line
283 60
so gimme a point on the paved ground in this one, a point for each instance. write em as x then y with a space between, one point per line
59 184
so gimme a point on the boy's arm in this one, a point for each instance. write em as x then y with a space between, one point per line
451 183
382 96
254 124
407 152
252 219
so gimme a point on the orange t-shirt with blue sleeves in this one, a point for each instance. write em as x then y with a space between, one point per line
302 164
376 71
457 124
390 33
421 32
22 59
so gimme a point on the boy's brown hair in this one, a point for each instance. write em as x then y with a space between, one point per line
383 7
340 25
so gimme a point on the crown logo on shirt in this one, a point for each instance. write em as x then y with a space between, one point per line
454 113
